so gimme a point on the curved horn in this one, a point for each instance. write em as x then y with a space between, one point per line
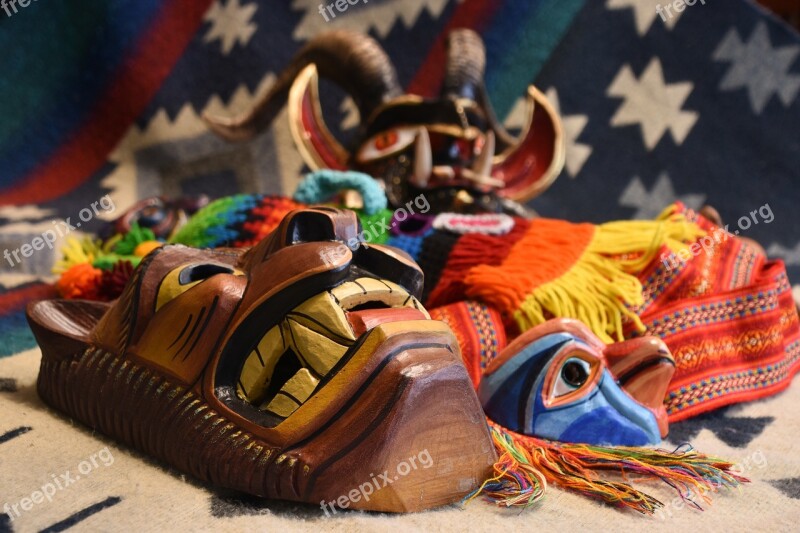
465 65
355 62
531 165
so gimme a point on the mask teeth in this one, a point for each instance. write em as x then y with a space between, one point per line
293 394
483 163
318 333
423 159
260 365
367 290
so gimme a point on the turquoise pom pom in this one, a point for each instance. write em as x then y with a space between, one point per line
320 185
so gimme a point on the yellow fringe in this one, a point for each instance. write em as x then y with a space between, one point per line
601 288
77 251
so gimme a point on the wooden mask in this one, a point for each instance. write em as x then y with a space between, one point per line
302 369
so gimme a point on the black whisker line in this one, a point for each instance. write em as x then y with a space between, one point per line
283 339
291 397
188 321
191 333
335 299
302 357
202 329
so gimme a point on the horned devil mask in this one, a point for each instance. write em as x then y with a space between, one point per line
451 148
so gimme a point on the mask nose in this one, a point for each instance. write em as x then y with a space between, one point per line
643 367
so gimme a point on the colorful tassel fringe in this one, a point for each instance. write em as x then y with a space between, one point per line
527 464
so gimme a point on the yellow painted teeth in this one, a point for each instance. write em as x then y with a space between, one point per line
323 312
365 290
315 349
318 332
259 366
293 393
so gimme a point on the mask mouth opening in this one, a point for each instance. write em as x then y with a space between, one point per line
643 368
285 363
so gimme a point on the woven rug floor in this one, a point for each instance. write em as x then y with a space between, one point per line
106 487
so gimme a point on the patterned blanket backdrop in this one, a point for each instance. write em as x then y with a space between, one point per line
100 105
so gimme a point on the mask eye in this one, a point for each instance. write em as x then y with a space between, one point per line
183 278
195 273
386 140
386 143
151 216
573 375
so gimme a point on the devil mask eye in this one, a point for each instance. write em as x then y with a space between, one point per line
386 143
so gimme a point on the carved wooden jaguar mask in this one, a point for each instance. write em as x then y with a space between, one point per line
298 369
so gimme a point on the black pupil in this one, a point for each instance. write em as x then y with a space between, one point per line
574 374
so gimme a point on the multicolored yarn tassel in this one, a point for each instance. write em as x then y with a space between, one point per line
527 464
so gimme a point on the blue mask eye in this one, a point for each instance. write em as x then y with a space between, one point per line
573 375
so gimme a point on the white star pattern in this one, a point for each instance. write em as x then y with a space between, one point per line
230 23
644 13
758 67
18 219
351 116
362 16
650 204
790 256
652 103
576 153
515 119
